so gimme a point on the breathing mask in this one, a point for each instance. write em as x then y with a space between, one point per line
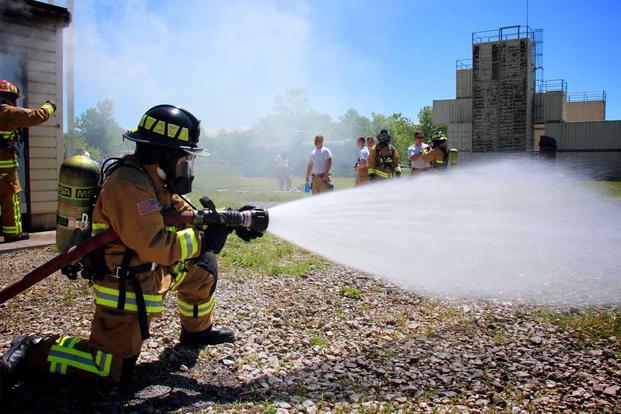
180 173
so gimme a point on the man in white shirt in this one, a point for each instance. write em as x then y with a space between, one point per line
418 163
361 167
319 166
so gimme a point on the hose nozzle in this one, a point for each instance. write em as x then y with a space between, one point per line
249 217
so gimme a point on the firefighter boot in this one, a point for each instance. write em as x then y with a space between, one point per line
210 336
13 359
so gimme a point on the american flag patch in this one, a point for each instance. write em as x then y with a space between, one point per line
148 206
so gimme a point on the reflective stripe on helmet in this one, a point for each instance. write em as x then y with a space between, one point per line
109 297
188 243
196 311
163 128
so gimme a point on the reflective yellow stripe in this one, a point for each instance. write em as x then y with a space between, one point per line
109 297
203 309
380 173
398 169
9 163
144 118
65 355
188 243
172 229
8 134
180 273
148 122
159 127
17 211
172 130
48 108
185 135
99 228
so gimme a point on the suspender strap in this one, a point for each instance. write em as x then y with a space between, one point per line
126 272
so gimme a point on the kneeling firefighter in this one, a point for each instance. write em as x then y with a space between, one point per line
131 275
439 156
384 159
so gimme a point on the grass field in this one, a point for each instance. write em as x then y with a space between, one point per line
236 191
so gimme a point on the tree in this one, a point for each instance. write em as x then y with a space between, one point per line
97 128
425 119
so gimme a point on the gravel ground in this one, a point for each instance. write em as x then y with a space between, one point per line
331 341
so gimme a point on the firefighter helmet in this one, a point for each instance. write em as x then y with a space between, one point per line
167 126
439 136
383 137
8 89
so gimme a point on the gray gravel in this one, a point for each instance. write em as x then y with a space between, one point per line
309 345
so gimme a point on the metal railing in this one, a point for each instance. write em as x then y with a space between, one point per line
552 85
463 64
587 96
503 33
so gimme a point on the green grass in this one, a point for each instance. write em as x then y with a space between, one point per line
350 292
266 256
319 341
237 191
593 325
614 187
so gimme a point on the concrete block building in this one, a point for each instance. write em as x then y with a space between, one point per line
503 105
31 56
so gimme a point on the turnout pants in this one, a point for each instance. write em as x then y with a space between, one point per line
319 185
115 339
10 204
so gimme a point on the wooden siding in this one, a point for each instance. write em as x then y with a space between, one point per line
38 44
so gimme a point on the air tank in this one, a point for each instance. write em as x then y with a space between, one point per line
77 191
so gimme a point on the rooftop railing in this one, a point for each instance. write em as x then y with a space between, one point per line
587 96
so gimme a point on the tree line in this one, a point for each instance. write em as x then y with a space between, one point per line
251 152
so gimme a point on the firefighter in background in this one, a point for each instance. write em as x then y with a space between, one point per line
384 159
12 119
149 259
440 156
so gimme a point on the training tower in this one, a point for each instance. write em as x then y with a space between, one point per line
504 105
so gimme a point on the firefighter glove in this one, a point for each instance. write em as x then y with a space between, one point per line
214 238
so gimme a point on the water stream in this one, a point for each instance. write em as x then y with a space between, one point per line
510 230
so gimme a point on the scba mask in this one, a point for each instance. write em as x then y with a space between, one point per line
180 174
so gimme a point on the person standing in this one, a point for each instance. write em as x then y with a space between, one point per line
418 164
370 143
384 159
12 119
361 167
319 166
283 171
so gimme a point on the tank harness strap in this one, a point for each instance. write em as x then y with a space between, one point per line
125 272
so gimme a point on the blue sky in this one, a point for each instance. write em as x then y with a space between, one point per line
226 60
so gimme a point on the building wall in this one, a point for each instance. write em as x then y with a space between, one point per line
446 111
37 43
463 83
502 96
549 106
585 111
594 146
460 136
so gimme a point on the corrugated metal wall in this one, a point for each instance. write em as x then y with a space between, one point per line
585 111
37 44
460 136
549 106
447 111
594 145
463 83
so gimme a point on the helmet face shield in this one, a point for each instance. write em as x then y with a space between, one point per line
180 173
185 166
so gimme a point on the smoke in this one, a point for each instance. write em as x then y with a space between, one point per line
511 230
224 61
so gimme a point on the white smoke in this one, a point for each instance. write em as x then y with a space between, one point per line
224 61
507 230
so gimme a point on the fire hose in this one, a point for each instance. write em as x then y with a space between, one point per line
252 218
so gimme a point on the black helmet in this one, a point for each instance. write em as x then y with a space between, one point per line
383 137
167 126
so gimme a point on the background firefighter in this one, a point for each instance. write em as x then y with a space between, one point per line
12 119
148 260
440 156
384 159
